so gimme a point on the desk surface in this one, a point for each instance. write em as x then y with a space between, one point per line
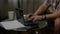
5 23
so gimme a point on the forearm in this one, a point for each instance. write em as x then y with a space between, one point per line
53 16
41 9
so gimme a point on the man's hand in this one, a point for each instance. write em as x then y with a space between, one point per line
36 18
33 17
28 16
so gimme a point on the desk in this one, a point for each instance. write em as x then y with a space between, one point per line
30 31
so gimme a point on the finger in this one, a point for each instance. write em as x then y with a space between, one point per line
32 17
29 15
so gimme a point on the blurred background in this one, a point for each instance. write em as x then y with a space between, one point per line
28 6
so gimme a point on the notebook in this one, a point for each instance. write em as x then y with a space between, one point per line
12 24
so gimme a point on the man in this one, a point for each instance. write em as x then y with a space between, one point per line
54 7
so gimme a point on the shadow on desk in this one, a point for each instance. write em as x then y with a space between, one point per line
3 31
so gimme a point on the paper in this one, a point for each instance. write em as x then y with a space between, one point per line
12 24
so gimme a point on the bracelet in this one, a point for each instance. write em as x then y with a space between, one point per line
43 17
